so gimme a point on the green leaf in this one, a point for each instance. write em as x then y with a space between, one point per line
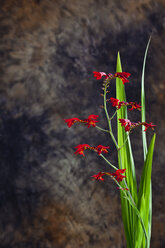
144 199
126 160
143 118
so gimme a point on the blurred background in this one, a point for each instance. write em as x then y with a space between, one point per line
48 52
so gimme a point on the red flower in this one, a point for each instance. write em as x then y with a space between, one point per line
147 125
126 123
99 75
127 127
117 103
118 174
71 121
93 117
123 76
99 176
134 105
114 101
122 104
120 171
81 148
101 149
91 120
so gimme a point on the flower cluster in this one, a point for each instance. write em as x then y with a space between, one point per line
99 149
124 174
117 175
118 104
90 121
93 119
128 125
122 75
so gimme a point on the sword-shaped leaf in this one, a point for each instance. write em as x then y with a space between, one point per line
125 159
144 198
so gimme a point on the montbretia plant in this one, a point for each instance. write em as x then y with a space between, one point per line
136 204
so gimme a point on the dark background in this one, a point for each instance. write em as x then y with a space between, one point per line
48 51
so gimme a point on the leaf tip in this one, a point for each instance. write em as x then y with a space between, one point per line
118 55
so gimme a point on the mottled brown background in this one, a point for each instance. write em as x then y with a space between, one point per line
48 50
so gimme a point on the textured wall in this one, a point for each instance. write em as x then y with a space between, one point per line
48 50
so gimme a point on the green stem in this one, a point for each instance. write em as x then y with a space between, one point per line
113 115
114 167
108 118
102 129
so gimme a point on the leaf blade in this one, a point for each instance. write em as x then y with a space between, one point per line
144 194
143 117
125 159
